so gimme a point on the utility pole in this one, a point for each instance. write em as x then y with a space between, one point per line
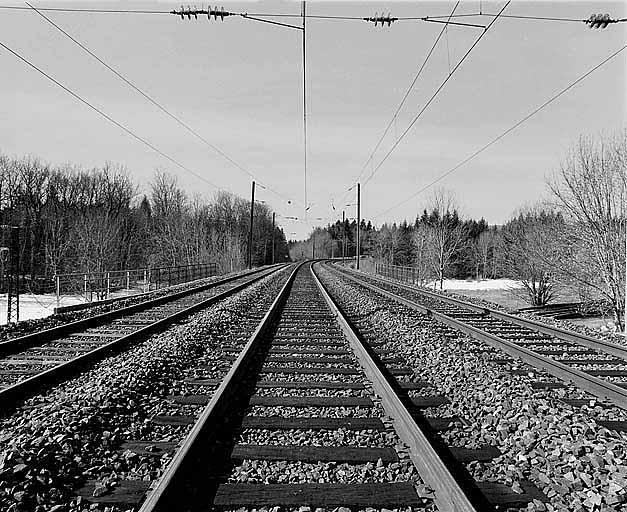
250 230
273 216
358 224
304 42
343 235
625 298
10 254
313 245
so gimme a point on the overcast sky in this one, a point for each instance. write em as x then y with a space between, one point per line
238 83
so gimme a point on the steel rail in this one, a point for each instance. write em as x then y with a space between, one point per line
166 496
37 338
598 344
594 385
11 395
449 494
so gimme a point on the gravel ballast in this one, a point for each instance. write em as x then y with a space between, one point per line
55 442
579 465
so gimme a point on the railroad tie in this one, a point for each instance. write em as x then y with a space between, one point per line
320 423
321 495
300 453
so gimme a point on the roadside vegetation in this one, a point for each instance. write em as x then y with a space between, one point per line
570 245
91 220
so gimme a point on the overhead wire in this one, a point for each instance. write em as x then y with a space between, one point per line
108 117
88 10
435 94
506 132
405 96
177 119
400 105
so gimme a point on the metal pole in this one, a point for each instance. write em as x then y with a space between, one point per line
58 289
343 235
250 229
273 216
313 246
625 297
358 224
303 10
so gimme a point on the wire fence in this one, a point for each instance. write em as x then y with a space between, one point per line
93 286
407 274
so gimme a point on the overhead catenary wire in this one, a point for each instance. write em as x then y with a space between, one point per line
506 132
435 94
108 117
88 10
405 96
177 119
400 105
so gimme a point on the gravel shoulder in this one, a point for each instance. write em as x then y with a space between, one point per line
579 465
55 442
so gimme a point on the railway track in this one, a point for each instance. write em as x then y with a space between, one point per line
307 415
28 363
596 366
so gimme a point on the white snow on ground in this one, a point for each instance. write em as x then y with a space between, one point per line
483 284
36 306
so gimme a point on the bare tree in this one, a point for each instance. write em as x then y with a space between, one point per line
591 188
485 252
423 244
531 249
447 232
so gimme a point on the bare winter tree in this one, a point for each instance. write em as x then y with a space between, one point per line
531 248
423 244
447 233
591 188
484 253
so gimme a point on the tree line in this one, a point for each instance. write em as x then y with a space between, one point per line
574 240
90 220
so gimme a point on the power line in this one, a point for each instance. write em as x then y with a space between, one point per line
511 16
413 122
288 15
107 117
151 99
506 132
86 10
404 99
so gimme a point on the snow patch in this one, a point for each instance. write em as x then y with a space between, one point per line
482 284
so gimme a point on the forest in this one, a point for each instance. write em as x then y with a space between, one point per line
90 220
570 244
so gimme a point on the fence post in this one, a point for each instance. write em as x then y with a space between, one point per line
108 284
128 279
85 285
58 288
169 276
